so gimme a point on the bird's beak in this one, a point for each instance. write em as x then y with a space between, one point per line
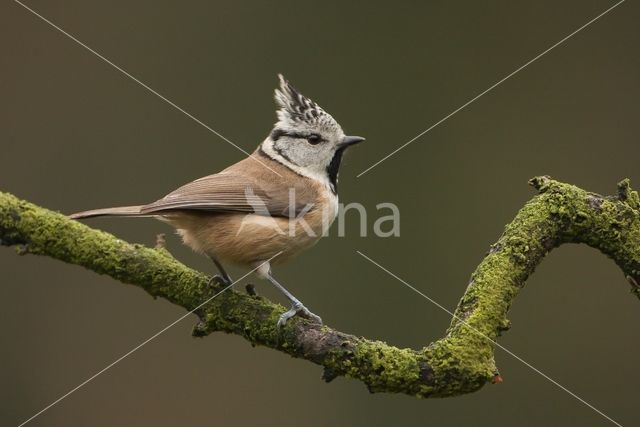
350 140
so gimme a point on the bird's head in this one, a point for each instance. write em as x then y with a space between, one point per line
306 138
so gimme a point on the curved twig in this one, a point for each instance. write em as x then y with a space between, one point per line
461 362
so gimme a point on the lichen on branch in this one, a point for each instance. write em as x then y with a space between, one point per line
461 362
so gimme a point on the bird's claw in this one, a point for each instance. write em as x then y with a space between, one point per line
301 311
221 280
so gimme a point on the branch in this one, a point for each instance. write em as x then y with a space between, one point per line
459 363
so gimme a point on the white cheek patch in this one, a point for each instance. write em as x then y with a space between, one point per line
319 174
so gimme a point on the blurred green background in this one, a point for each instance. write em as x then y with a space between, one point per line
77 134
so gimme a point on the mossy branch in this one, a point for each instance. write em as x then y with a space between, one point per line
459 363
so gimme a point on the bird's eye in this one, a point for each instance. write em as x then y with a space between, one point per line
314 139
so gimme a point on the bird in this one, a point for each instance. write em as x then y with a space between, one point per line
268 207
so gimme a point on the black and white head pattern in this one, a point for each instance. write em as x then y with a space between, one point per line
296 110
305 138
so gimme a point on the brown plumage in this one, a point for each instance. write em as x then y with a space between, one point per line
216 215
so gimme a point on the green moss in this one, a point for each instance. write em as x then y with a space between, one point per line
55 235
461 362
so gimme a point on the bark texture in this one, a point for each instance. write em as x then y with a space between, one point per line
461 362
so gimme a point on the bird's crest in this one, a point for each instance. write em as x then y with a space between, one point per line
295 109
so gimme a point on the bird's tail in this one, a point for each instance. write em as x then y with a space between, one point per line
119 211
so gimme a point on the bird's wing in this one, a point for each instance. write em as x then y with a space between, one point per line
228 191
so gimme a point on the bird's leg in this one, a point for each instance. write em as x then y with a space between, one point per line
296 306
223 277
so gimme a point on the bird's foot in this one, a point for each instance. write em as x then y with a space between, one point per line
251 290
220 280
300 310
